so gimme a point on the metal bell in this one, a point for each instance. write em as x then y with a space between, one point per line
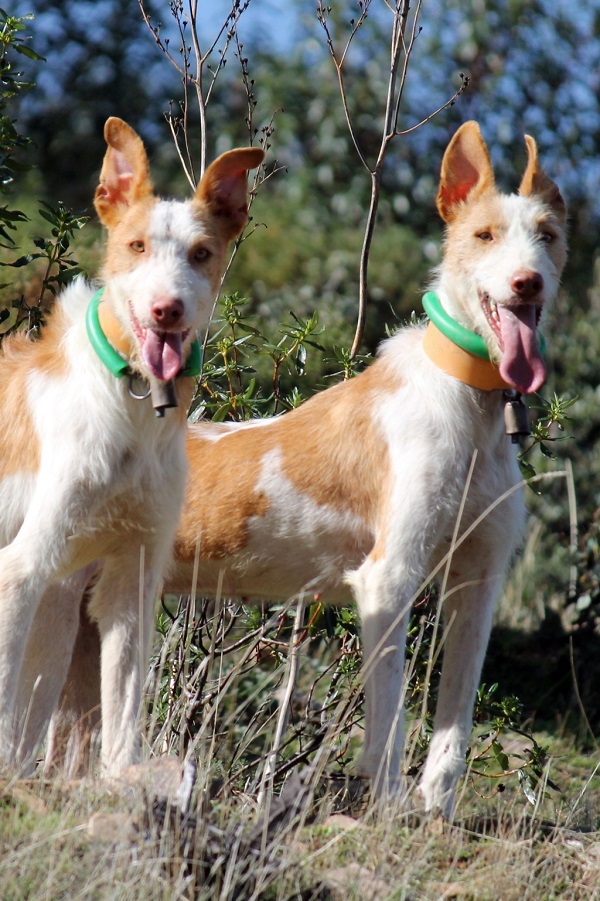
516 416
163 396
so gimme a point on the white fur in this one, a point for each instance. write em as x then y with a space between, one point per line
102 453
100 479
375 485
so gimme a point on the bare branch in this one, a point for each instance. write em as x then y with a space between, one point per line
322 13
463 87
183 18
162 45
400 55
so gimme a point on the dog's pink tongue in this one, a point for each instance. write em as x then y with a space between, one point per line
162 354
522 365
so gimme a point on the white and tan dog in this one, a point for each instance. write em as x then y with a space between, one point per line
369 487
88 471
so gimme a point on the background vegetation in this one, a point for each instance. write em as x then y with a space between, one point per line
530 66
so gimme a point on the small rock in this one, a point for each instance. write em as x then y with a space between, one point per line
354 876
163 778
343 821
113 828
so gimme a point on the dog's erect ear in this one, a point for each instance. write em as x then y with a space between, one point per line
466 167
125 175
224 187
535 181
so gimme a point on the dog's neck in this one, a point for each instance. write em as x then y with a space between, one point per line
113 331
457 351
459 363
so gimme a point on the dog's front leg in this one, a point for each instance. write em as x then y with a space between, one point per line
124 611
20 590
44 549
76 720
475 581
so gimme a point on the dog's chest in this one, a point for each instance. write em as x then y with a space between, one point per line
483 484
146 464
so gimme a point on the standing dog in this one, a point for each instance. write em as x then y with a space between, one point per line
405 470
88 471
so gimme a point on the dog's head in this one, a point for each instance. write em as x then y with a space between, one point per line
165 258
503 253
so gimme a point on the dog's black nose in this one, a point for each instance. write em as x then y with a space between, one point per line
527 284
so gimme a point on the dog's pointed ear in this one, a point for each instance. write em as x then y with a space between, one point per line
224 187
125 175
535 181
466 167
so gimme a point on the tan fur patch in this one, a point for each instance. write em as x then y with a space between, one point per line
184 390
330 453
220 494
19 448
216 237
132 226
334 432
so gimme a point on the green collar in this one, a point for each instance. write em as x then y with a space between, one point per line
458 334
116 361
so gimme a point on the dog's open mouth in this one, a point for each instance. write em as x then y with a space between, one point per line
161 352
515 326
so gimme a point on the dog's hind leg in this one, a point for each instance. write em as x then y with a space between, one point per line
76 720
48 652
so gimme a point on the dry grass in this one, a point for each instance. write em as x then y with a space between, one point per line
215 695
86 841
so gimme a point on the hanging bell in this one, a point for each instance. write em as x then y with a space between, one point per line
163 396
516 416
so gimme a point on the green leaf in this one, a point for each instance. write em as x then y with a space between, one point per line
221 412
28 52
500 756
22 261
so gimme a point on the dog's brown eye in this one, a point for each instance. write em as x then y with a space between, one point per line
137 246
485 236
200 254
547 237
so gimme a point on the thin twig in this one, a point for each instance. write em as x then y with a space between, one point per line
266 785
322 13
580 704
397 47
573 532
